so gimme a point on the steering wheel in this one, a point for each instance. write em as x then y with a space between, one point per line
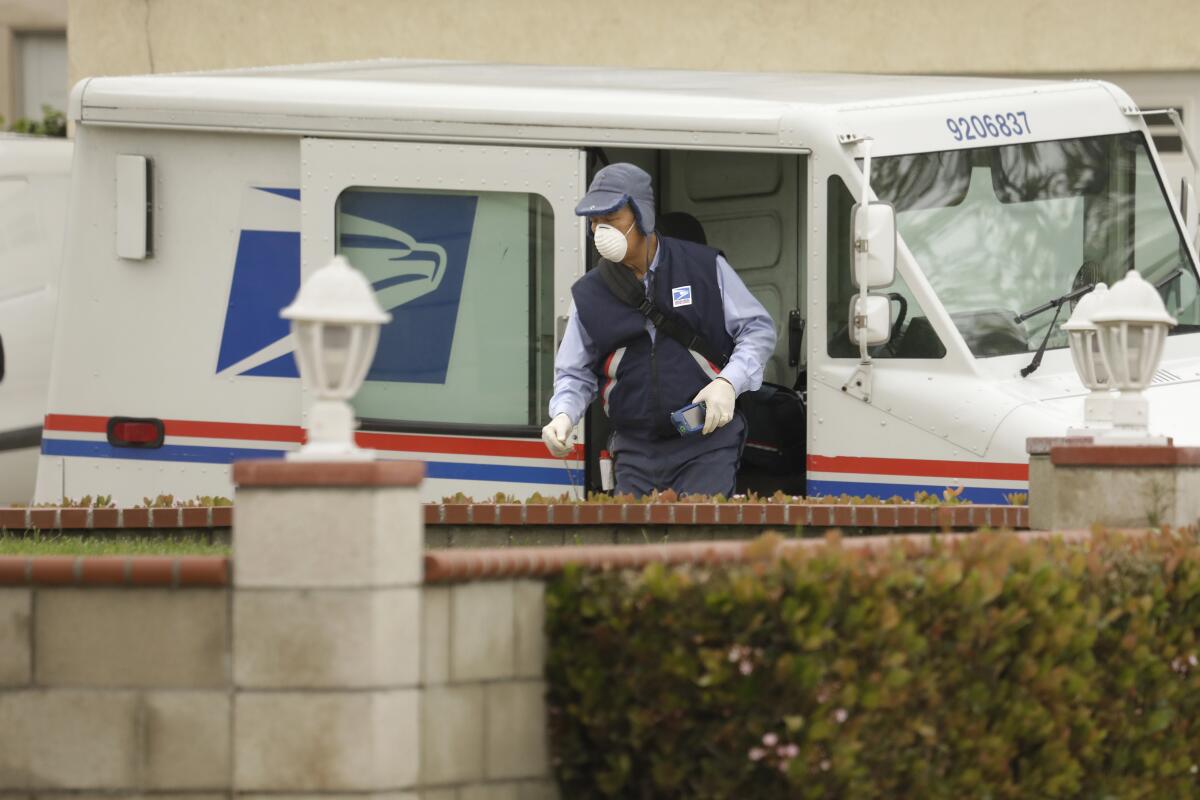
894 336
840 346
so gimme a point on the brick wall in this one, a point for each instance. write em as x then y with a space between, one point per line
458 525
455 525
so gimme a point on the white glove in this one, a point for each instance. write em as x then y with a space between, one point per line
557 436
718 398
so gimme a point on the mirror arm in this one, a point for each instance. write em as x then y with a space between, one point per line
1184 139
861 249
859 383
1177 121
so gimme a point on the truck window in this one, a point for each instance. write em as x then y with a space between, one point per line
468 279
912 334
1002 230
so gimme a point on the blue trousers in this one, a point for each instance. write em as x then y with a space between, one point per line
695 464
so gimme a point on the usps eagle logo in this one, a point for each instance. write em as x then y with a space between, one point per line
400 268
413 249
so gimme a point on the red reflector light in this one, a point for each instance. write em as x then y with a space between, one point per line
135 432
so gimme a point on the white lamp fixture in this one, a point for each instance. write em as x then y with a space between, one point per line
1131 325
335 323
1085 352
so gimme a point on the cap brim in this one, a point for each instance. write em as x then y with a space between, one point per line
596 203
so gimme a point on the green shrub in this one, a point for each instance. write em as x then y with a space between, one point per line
52 123
999 669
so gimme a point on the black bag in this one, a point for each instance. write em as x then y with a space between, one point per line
775 427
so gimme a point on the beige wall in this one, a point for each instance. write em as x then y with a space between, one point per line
34 15
941 36
23 15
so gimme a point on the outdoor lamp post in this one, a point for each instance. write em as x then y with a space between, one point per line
1085 353
335 323
1131 325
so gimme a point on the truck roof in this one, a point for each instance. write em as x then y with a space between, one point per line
397 96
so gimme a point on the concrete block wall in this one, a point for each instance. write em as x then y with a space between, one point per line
322 665
483 715
339 658
355 676
112 686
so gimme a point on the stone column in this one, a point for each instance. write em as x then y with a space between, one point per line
326 627
1041 495
1118 486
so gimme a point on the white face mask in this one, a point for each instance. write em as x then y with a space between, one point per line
611 243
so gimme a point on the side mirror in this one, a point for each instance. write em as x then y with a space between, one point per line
874 245
872 321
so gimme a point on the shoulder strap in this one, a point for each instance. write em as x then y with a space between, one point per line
622 284
628 289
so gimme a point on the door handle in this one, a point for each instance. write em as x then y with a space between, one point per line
795 334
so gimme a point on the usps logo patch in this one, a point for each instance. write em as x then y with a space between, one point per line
681 296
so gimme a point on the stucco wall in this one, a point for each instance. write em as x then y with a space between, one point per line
942 36
17 16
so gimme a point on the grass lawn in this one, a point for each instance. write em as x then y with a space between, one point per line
74 545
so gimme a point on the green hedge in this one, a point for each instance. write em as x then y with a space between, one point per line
1000 669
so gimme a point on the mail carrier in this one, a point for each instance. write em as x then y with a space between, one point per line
199 202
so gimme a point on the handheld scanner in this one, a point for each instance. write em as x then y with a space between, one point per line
689 419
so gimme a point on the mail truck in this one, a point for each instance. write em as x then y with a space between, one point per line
199 203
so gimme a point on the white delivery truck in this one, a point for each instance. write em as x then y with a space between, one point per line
34 175
199 202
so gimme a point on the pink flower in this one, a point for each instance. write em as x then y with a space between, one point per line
770 739
789 751
745 667
840 715
756 753
825 765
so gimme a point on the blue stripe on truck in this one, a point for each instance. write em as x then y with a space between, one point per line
196 454
976 494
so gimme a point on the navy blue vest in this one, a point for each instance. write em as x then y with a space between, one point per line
641 383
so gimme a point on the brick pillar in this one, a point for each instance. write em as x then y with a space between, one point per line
326 627
1119 486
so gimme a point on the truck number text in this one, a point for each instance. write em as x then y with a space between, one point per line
988 126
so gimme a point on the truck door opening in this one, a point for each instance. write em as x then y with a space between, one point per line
750 206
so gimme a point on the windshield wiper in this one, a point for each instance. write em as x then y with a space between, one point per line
1172 275
1056 304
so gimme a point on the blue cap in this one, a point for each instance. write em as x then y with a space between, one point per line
616 185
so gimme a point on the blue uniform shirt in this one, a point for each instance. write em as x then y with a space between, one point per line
745 320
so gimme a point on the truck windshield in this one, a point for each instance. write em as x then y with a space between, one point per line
1002 230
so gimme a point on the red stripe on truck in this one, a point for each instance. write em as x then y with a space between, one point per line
919 468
